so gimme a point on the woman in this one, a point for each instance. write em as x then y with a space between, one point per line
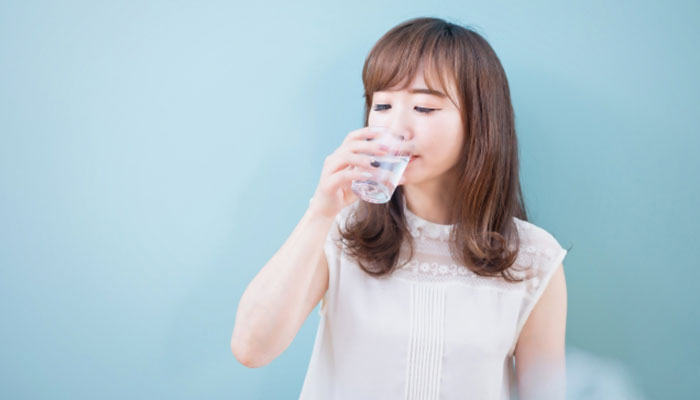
446 291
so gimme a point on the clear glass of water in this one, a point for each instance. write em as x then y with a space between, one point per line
380 186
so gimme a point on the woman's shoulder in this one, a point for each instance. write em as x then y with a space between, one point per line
340 222
347 212
532 234
537 245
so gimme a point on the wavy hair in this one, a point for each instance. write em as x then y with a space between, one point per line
487 194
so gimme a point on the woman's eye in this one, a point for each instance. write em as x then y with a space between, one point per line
425 110
381 107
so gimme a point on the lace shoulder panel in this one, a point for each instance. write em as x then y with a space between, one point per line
432 261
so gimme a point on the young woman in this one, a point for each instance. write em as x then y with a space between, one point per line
444 292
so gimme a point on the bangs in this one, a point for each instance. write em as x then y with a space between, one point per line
398 56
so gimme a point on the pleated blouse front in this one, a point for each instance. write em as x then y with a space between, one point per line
432 329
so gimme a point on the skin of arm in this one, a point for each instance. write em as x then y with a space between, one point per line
278 300
540 352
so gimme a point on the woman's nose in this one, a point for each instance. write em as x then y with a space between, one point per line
404 133
402 130
398 121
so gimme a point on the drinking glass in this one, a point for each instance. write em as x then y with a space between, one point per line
388 168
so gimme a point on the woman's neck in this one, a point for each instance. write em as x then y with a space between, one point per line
429 202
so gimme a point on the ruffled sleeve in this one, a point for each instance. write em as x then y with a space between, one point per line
542 254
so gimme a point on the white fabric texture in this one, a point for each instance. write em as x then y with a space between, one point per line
430 330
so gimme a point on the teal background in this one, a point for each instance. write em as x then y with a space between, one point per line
154 155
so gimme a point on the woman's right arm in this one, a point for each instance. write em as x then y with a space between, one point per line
281 296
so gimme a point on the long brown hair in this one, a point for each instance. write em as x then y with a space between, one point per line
487 194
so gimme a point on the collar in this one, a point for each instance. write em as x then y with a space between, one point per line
421 228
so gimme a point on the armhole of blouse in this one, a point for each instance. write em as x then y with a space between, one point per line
544 276
332 254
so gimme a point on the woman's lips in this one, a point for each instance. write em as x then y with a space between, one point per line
412 158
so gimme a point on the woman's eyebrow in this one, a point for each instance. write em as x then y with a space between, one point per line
427 91
420 91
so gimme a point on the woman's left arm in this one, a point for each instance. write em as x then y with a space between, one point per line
540 358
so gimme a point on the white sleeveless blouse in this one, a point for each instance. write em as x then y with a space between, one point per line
430 330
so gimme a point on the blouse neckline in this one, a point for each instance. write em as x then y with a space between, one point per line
420 227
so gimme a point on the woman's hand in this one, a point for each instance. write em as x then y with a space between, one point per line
340 168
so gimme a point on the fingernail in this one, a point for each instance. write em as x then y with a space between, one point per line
366 174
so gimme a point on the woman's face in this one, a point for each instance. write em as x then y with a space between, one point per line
431 121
